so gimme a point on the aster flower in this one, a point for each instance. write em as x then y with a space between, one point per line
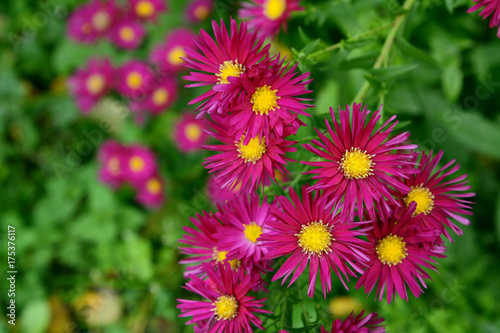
127 33
228 308
267 16
169 57
113 157
140 165
102 14
134 80
189 133
199 10
161 95
310 233
246 166
150 192
80 26
359 164
354 324
491 8
90 83
147 10
229 55
398 257
438 201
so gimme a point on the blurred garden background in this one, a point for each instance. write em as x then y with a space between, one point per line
91 258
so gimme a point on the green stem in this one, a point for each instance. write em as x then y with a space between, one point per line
386 48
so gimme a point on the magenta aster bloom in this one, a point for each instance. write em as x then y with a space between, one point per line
80 26
150 192
241 166
140 165
438 201
398 255
228 56
357 324
134 80
147 10
311 233
127 33
360 164
169 57
228 308
113 157
89 84
199 10
491 8
103 14
159 98
189 133
267 16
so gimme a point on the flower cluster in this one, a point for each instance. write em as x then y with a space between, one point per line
135 165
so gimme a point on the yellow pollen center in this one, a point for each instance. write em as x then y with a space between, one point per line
160 96
226 307
253 151
391 250
136 164
153 186
201 12
174 56
95 83
220 256
252 231
127 34
114 165
356 164
101 20
144 9
193 132
423 197
229 68
273 9
264 99
134 80
315 238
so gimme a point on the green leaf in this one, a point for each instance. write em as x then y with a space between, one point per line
452 81
415 52
35 317
389 73
309 47
450 5
303 36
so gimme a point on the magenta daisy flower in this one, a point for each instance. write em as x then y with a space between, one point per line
439 201
491 8
103 14
134 79
246 166
140 165
150 192
189 133
228 308
310 233
229 55
357 324
80 26
159 98
268 16
199 10
147 10
359 164
169 57
398 257
113 157
89 84
127 33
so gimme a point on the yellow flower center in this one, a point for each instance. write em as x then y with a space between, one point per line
136 164
356 164
144 9
114 165
193 132
253 151
229 68
391 250
252 231
174 56
127 34
221 256
134 80
201 12
264 100
95 83
315 238
226 307
160 96
101 20
423 197
273 9
153 186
